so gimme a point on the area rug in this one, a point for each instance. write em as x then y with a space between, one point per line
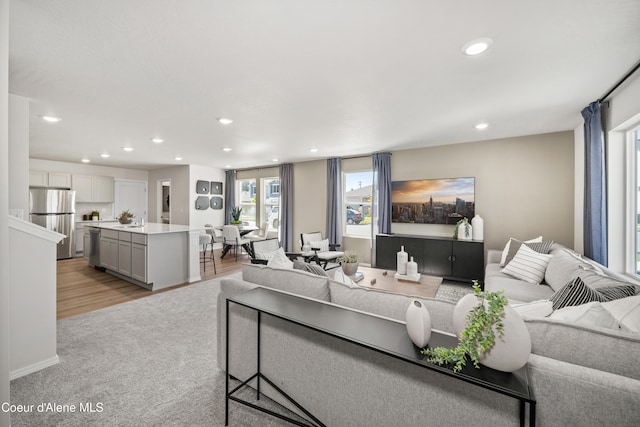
147 362
453 291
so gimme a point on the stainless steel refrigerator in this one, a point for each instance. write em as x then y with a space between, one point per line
55 209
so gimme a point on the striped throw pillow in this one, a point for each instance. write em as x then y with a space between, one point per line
616 292
543 247
528 265
574 293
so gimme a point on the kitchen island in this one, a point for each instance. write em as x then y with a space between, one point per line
154 256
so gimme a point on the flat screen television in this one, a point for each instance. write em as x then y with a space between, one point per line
433 201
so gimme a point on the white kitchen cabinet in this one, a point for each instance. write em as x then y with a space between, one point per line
139 262
49 179
124 257
80 245
38 179
59 179
93 189
109 249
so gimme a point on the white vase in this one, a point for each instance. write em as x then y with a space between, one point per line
509 352
478 227
402 257
465 233
412 268
418 323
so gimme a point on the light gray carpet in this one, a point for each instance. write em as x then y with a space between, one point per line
149 362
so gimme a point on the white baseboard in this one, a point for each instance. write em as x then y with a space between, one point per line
34 367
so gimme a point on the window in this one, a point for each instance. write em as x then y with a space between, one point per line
357 194
634 199
246 199
271 202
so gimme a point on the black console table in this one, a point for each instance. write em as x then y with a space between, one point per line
368 331
461 260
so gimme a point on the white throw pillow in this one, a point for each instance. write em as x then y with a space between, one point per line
590 314
528 265
267 255
627 312
505 251
340 277
320 246
540 308
280 260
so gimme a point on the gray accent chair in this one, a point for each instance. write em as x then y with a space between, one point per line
325 258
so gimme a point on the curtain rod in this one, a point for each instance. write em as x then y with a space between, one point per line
325 158
622 80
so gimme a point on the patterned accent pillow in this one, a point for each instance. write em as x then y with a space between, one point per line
616 292
528 265
574 293
320 246
577 292
505 251
542 247
311 268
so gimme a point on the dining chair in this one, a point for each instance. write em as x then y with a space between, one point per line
260 234
231 237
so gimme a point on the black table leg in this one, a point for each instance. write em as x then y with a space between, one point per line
226 362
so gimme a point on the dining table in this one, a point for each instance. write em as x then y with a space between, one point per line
244 230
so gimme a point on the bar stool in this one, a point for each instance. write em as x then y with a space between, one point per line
206 240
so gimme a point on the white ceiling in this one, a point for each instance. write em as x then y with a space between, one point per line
347 77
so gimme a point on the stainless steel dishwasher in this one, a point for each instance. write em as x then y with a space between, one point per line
94 247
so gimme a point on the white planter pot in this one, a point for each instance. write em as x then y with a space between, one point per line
418 323
510 352
349 268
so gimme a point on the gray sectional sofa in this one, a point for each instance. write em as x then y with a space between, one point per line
579 376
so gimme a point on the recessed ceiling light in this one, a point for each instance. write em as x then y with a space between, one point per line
177 158
105 155
477 46
274 160
227 149
157 140
127 148
224 121
481 126
227 166
313 150
85 160
51 119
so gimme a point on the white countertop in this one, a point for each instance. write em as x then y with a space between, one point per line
148 228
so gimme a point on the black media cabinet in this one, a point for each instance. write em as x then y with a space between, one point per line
460 260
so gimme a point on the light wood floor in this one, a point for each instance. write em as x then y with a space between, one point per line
82 289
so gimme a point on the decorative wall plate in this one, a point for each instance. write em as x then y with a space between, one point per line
215 202
216 187
202 203
202 187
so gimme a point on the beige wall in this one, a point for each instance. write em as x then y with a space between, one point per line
180 193
524 185
524 188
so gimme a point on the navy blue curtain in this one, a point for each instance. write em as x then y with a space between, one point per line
381 204
286 206
334 201
229 194
595 192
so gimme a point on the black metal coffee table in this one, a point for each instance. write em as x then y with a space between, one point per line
382 335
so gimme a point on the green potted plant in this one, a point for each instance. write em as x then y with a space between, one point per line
95 215
484 324
125 217
462 230
349 262
235 214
